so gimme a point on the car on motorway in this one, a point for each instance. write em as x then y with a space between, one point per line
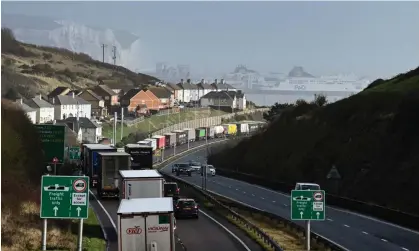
171 189
195 166
185 207
307 186
176 166
183 169
210 169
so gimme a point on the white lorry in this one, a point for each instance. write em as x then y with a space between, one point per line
136 184
153 143
146 224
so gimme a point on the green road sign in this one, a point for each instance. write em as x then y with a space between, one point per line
64 197
74 153
52 138
308 205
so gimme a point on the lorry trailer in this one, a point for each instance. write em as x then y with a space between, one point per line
153 143
141 156
181 137
109 165
170 139
190 133
146 224
200 133
160 140
90 160
140 184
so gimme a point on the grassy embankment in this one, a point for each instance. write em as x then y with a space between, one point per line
372 138
29 69
22 168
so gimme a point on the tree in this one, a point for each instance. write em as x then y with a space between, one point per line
319 100
12 94
275 111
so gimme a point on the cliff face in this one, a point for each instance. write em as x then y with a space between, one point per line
77 37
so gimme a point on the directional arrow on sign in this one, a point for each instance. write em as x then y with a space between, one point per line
55 210
318 215
301 213
79 209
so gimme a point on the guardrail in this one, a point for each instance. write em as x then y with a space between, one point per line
204 122
387 214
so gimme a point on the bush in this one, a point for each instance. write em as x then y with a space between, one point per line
10 45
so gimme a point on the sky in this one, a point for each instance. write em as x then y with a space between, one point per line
376 39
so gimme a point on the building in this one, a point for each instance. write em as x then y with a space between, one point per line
108 95
70 106
44 110
97 102
224 100
190 91
120 88
60 90
204 88
87 130
135 98
222 86
163 95
29 111
177 92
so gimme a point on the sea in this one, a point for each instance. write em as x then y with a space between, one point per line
270 99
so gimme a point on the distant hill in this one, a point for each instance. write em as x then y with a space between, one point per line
372 138
29 69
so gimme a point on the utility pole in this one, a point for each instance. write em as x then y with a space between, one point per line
114 54
103 52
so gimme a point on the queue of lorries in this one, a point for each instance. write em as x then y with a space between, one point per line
148 205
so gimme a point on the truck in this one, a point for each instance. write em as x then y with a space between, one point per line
90 160
170 139
253 127
181 137
153 143
160 140
242 128
140 184
200 133
143 142
219 131
146 224
231 129
141 156
210 132
190 134
109 165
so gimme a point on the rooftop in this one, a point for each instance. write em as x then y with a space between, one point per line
98 147
113 154
38 102
81 122
160 92
146 205
69 100
140 174
131 93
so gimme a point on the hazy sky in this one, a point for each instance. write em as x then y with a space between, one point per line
366 38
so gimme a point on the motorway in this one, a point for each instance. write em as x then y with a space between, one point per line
196 234
350 230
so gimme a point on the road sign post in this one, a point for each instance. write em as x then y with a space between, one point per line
64 197
74 153
308 205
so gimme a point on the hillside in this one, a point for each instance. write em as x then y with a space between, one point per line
30 69
372 138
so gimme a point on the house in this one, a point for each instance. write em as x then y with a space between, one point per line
118 87
241 100
44 110
75 92
97 102
190 91
110 97
219 100
29 111
60 90
91 132
176 91
70 106
204 88
163 95
222 86
136 97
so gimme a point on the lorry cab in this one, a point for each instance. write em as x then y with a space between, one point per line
307 186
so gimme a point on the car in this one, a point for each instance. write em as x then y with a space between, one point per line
183 169
174 167
210 169
307 186
195 166
171 189
185 207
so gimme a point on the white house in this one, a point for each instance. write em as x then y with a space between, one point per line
44 110
88 131
204 89
29 111
177 92
71 106
222 99
241 100
186 89
222 86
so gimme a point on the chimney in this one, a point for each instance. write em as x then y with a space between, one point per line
216 81
72 94
53 101
40 96
181 81
188 81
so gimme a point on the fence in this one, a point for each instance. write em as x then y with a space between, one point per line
388 214
205 122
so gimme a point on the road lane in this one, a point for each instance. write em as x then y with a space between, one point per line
350 230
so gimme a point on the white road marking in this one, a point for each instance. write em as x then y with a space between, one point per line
364 232
384 240
104 210
405 249
329 219
244 192
227 230
229 186
237 189
253 195
285 205
345 225
262 198
273 201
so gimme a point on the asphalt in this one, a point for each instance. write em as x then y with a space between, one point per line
195 234
350 230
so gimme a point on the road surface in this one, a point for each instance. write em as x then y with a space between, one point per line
201 234
350 230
